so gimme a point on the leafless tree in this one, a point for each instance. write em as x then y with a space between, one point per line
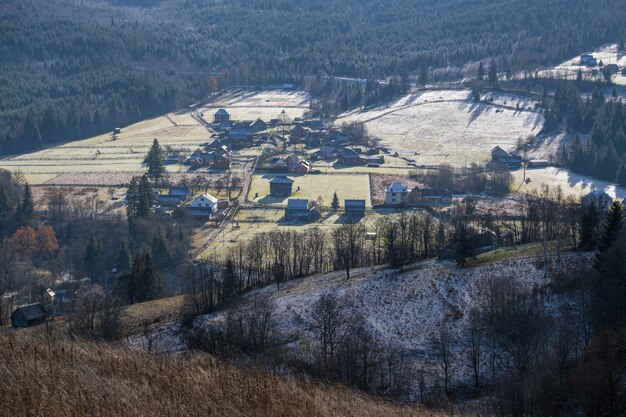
442 344
328 322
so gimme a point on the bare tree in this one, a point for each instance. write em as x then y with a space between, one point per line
442 344
348 241
328 323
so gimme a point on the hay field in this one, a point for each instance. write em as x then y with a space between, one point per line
103 155
447 127
312 186
250 105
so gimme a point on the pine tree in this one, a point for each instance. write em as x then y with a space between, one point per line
154 161
335 203
480 75
610 230
5 206
152 287
160 250
124 259
493 74
26 208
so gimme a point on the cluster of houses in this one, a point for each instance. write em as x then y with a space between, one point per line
239 134
588 60
214 155
300 209
291 163
202 207
502 159
397 194
349 156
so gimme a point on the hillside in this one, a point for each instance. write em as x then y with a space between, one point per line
79 379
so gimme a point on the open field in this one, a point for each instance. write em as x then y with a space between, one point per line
80 161
571 183
313 186
250 222
447 127
250 105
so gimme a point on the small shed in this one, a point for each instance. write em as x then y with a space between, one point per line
221 116
300 209
354 208
281 186
28 315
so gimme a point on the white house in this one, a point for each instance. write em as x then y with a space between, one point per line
204 201
396 194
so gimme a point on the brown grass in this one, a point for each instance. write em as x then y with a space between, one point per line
64 378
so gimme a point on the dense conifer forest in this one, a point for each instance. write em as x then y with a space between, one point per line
73 68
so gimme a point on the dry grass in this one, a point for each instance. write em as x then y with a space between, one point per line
85 379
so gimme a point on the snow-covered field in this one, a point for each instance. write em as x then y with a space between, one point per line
268 104
571 183
447 127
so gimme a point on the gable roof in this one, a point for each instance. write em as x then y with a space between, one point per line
281 180
354 204
207 197
178 191
298 204
396 187
30 312
499 150
222 112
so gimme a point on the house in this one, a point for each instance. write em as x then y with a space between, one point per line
430 196
475 245
281 186
258 125
299 132
291 163
588 60
600 199
219 159
241 137
300 209
396 194
501 157
221 116
204 201
169 200
347 156
182 192
611 69
354 208
28 315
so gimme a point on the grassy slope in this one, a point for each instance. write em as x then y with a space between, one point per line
81 379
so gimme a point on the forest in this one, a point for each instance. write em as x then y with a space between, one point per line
72 69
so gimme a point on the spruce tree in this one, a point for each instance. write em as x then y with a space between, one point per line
589 227
154 161
493 74
93 260
132 199
26 208
229 280
5 205
150 280
124 259
145 198
335 203
610 230
481 72
160 250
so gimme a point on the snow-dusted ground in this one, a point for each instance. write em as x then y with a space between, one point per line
446 126
402 309
571 183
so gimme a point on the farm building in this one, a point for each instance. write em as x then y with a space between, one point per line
28 315
301 209
348 156
258 125
396 194
291 163
281 186
588 60
430 196
241 137
611 69
221 116
538 163
354 208
599 199
475 244
182 192
501 157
